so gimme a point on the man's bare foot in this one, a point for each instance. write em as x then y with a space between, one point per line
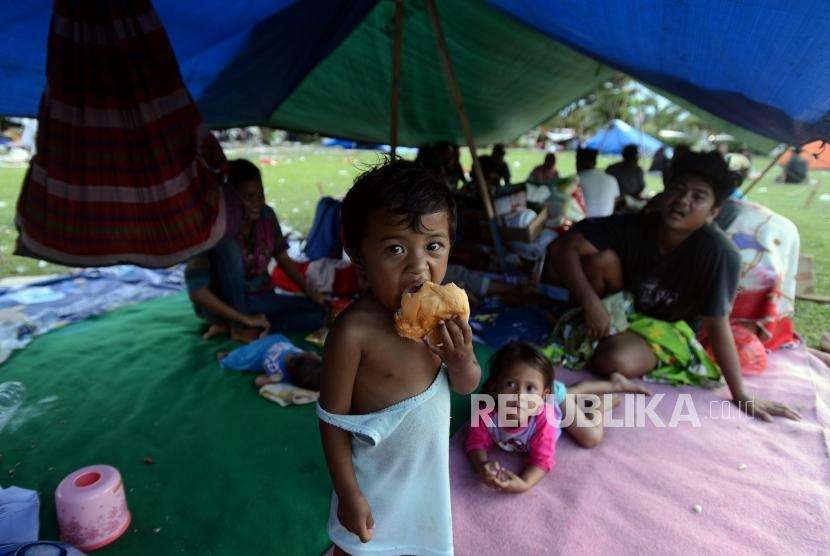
616 400
245 334
263 379
596 402
215 330
625 384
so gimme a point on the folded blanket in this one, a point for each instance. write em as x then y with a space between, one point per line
287 394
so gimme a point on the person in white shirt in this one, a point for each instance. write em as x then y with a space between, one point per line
600 190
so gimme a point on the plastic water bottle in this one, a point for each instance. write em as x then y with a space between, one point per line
11 398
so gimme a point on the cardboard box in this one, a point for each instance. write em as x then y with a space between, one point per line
474 226
529 234
510 201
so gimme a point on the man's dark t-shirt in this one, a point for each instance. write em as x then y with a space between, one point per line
629 176
698 279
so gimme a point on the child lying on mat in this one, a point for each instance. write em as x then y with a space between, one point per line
276 359
524 374
385 400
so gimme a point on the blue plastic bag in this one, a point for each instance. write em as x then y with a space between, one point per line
323 239
529 324
39 548
19 521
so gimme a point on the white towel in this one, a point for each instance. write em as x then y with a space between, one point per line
401 460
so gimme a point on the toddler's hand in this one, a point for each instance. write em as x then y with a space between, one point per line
355 515
492 468
510 482
456 347
489 473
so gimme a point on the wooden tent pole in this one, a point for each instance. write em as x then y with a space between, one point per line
455 91
764 173
813 192
396 74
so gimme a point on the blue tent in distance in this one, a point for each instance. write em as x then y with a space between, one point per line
617 135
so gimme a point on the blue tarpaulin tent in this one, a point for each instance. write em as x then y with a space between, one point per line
618 134
325 65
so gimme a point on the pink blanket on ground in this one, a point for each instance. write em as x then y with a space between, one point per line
637 490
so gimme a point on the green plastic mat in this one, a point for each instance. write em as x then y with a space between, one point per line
209 467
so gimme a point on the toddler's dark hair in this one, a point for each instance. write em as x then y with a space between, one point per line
519 352
241 170
304 370
403 188
709 167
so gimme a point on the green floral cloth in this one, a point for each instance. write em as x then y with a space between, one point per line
681 358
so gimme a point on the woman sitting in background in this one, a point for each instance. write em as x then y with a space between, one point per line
230 286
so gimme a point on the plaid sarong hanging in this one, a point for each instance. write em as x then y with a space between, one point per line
125 170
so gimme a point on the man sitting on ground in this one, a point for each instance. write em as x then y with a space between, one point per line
630 177
492 176
682 272
501 166
795 171
599 189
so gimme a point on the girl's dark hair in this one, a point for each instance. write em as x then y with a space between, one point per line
242 170
403 188
709 167
519 352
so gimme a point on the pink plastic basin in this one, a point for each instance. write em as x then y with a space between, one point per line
92 508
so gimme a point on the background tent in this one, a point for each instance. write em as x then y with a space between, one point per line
618 134
324 66
817 154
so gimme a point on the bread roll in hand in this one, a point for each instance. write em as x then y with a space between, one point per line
421 311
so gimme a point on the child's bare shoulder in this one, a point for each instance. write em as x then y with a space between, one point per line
362 320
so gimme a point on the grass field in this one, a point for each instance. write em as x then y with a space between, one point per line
295 177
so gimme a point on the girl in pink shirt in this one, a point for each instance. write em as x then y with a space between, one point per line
527 418
523 376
